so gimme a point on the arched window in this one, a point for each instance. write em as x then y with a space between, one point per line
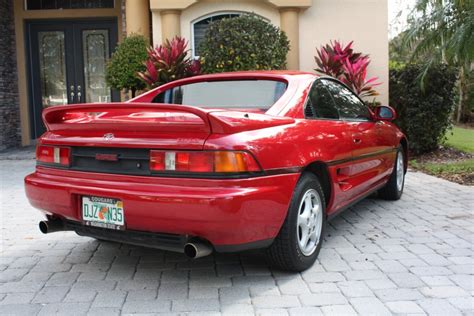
199 28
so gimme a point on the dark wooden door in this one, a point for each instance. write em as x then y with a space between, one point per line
66 63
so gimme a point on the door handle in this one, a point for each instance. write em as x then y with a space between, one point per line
72 93
357 140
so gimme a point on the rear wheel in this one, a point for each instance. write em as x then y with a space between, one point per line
393 190
299 241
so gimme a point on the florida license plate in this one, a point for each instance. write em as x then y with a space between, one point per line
103 212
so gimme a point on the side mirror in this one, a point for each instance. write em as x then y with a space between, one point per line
385 113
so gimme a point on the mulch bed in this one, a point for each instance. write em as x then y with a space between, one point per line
442 156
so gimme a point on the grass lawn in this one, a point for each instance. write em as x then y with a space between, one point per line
464 166
461 139
456 164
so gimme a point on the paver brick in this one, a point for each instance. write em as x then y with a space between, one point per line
80 295
369 306
443 291
11 275
64 309
406 280
203 292
338 310
380 284
173 291
293 286
276 302
271 312
237 309
62 279
51 294
112 299
390 266
405 307
144 307
16 298
323 277
101 311
322 299
398 294
230 295
20 309
190 305
355 289
436 306
323 287
466 303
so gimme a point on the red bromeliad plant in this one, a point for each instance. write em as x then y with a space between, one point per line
169 62
355 77
343 63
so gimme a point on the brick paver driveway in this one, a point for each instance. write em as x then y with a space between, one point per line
413 256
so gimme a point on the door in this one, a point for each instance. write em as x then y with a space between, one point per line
322 115
66 63
368 159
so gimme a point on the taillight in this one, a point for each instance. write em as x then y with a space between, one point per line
53 155
202 162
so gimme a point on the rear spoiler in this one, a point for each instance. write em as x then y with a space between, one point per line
154 117
134 117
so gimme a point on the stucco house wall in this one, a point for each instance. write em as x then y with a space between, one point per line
363 21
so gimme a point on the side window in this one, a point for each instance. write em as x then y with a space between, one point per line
320 103
347 103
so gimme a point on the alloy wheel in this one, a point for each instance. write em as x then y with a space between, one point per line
310 222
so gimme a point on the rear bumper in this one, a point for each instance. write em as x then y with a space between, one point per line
232 214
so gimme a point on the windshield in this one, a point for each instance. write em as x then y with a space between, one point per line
256 94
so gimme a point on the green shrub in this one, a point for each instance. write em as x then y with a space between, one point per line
246 42
127 60
423 115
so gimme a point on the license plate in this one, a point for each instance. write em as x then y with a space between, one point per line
103 212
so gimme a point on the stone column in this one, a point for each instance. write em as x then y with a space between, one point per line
289 23
170 24
137 17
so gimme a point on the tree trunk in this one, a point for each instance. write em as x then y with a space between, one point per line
461 94
133 92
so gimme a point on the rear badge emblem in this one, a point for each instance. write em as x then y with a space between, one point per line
109 136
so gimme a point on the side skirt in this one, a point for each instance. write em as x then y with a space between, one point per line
342 209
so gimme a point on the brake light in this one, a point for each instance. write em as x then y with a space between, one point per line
203 161
53 155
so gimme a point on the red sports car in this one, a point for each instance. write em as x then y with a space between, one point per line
225 162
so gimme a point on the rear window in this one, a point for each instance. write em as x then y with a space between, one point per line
257 94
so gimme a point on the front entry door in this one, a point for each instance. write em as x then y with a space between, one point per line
66 61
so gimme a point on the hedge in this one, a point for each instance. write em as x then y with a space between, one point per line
424 115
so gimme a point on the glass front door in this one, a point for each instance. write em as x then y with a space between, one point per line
67 62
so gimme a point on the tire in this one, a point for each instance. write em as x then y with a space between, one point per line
286 252
393 190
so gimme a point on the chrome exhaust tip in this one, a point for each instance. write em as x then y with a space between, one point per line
194 250
47 227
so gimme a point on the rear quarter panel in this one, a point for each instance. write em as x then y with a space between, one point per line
290 148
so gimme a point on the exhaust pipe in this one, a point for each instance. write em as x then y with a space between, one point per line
197 249
47 227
